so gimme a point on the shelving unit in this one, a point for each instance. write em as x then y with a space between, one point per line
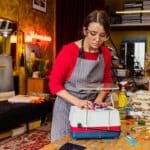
133 25
130 26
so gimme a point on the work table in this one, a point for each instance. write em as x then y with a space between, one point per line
140 133
134 126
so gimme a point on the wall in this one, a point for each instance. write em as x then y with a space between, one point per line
114 5
29 19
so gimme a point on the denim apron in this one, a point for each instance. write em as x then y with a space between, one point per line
87 71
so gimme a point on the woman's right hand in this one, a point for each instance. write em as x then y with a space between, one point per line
84 104
81 103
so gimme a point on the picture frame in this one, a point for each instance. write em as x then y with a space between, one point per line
40 5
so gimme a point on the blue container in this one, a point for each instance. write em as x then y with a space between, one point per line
96 135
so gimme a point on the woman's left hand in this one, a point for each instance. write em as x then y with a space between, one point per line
102 104
100 97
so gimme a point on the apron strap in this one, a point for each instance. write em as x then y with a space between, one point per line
81 51
81 55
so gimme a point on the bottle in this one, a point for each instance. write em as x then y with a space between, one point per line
122 98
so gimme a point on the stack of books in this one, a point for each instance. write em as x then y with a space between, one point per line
146 16
132 5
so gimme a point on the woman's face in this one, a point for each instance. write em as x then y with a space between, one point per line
95 35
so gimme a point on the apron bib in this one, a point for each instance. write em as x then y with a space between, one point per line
85 71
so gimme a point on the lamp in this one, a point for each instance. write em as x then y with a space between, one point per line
13 38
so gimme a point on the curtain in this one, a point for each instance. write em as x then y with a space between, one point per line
69 19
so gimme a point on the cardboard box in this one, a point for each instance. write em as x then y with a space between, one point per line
20 130
34 124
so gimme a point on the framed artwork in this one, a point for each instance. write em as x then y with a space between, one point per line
40 5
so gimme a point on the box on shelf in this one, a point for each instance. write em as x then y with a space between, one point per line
34 124
20 130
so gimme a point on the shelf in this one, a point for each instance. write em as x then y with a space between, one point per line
132 11
130 26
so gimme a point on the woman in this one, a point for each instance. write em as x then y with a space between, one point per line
84 61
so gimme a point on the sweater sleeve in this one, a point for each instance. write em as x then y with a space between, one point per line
108 62
61 69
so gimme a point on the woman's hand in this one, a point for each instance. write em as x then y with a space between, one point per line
100 97
101 104
84 104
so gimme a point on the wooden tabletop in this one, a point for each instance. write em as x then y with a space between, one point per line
140 133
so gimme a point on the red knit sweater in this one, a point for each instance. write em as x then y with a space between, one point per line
65 63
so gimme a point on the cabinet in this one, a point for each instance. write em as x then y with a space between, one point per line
37 85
